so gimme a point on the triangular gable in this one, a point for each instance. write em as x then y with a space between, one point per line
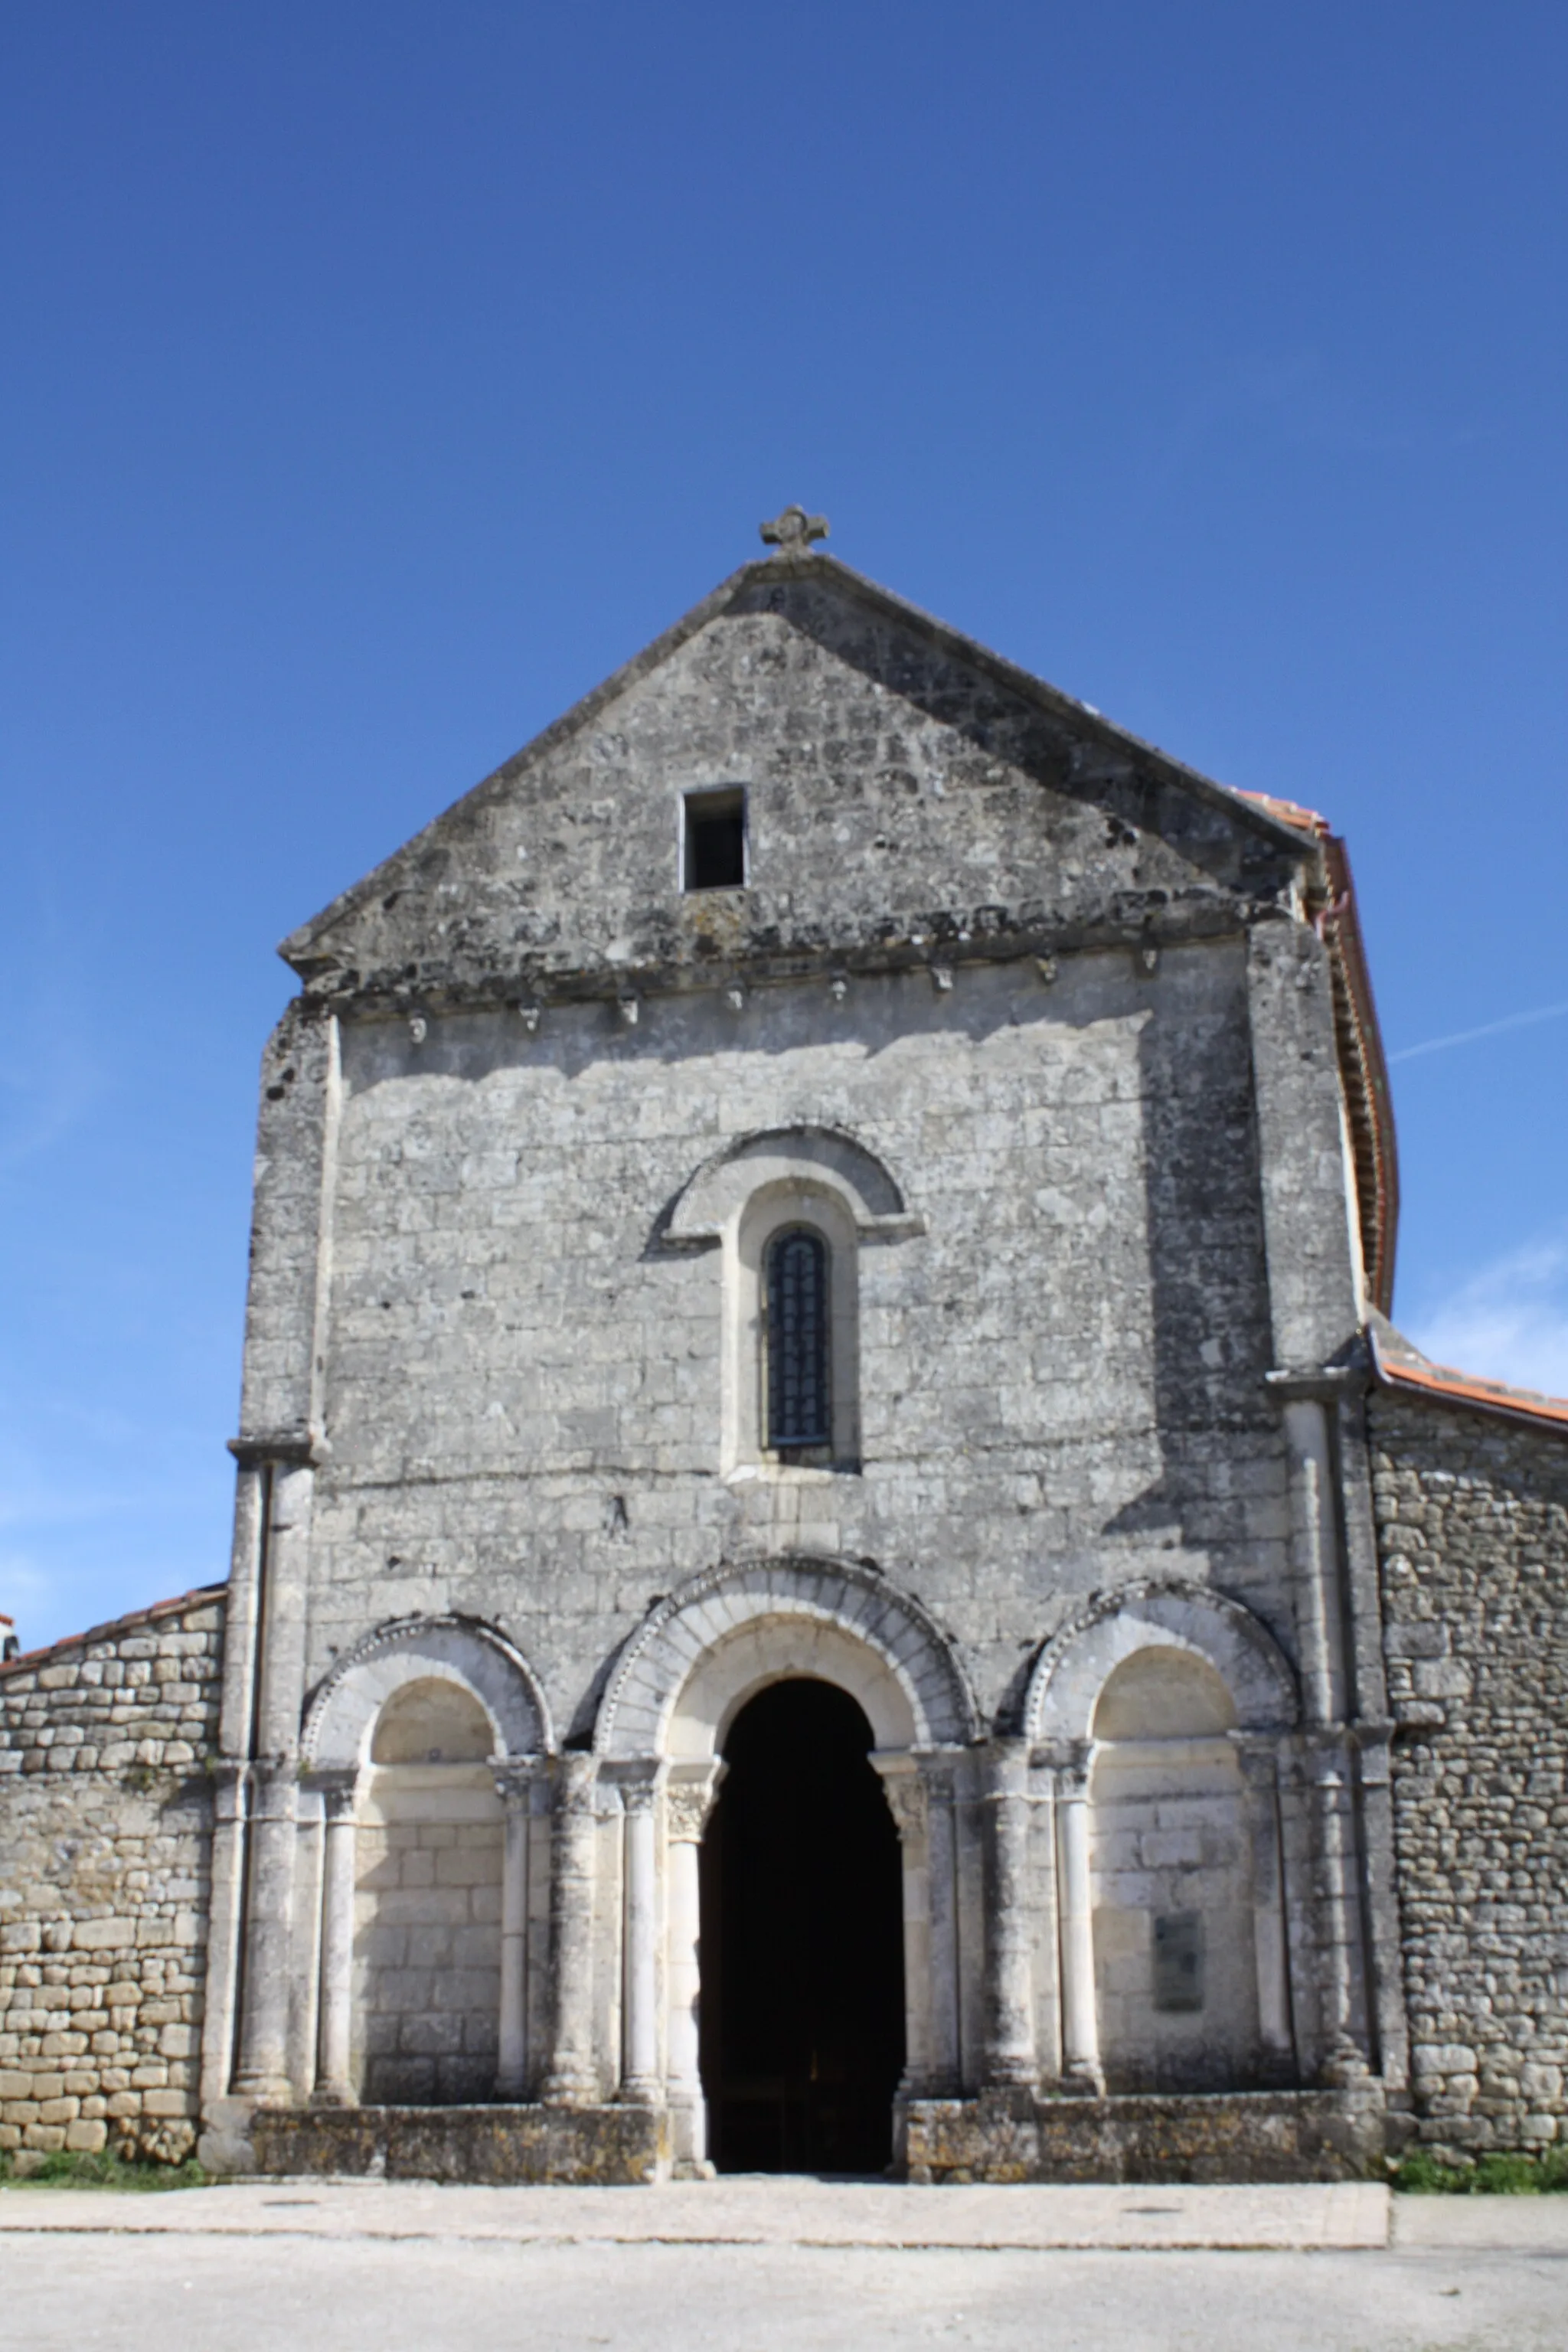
920 797
328 931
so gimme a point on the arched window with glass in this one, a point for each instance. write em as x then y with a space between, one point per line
797 1275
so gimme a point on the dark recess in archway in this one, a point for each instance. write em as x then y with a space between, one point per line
803 1962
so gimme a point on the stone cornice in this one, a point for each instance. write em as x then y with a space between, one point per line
1135 923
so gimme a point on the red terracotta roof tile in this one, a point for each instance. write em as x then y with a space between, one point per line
1400 1366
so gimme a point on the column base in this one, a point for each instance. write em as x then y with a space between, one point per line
264 2090
689 2135
1345 2066
1011 2075
569 2091
927 2087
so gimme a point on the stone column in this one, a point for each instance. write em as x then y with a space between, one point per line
1387 2028
231 1789
514 1786
572 2078
689 1800
906 1793
1316 1547
263 2069
1010 2054
1260 1775
946 1990
1338 1937
242 1606
639 1789
1080 2019
236 1741
1337 1919
334 2084
305 1965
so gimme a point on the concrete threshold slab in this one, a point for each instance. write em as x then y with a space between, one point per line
776 2210
1524 2225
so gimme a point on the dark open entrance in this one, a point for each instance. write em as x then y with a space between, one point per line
803 1959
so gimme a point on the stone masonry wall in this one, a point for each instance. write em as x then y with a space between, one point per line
427 1936
105 1821
1472 1516
1059 1379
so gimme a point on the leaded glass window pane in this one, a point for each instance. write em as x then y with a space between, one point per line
797 1338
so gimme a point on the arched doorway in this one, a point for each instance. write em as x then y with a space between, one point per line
801 1941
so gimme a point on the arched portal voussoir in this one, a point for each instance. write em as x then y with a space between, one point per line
1077 1663
341 1716
734 1628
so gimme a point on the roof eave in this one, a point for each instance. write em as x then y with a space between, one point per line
1440 1383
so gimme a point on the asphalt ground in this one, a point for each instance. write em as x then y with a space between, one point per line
749 2266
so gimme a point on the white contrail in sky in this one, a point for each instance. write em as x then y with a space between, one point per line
1489 1029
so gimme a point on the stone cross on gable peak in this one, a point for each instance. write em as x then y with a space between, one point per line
793 531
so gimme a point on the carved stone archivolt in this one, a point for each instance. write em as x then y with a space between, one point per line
339 1720
898 1646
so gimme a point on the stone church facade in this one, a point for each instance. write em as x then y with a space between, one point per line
835 1564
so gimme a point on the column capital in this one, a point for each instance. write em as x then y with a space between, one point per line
1004 1770
338 1786
1325 1754
274 1786
1257 1755
639 1782
230 1778
1070 1760
1317 1383
939 1770
905 1790
282 1449
575 1776
516 1776
689 1797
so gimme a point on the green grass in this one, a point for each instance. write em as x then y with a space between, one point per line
68 2168
1421 2174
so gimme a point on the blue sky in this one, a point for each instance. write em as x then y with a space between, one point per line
376 378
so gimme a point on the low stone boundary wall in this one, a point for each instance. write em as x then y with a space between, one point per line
616 2146
1246 2135
105 1834
1472 1514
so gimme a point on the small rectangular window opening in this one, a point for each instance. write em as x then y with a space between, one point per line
715 845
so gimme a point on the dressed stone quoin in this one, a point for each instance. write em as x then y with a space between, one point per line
835 1565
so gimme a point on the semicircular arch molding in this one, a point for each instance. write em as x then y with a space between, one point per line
1077 1663
821 1158
342 1717
729 1632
